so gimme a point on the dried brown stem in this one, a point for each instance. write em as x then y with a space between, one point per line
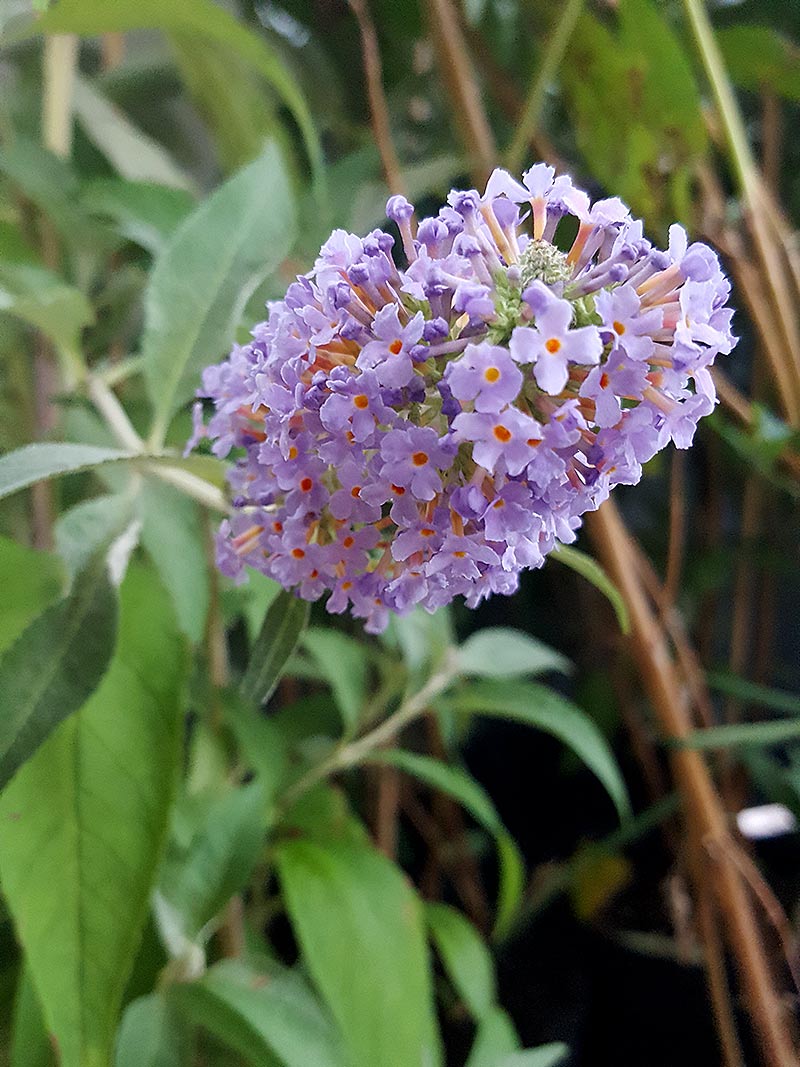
378 107
706 819
462 85
677 527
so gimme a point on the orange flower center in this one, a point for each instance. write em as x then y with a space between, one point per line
491 374
361 401
396 347
619 327
552 344
298 553
502 434
306 484
419 459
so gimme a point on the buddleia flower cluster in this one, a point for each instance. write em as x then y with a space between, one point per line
423 419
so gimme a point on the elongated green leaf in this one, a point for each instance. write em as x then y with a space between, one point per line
172 533
496 1038
544 1056
776 732
40 298
144 213
344 663
591 570
465 956
152 1035
33 463
203 17
199 881
266 1017
30 1046
81 531
362 936
283 624
133 154
759 57
82 824
55 665
199 285
537 706
458 784
231 97
753 693
52 185
30 581
500 652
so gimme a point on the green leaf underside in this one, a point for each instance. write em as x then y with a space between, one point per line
172 534
361 932
267 1018
501 652
32 463
200 283
535 705
82 825
283 624
132 153
55 665
458 784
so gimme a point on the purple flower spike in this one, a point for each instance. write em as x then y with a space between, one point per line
409 432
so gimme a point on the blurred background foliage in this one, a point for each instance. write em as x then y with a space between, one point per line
213 849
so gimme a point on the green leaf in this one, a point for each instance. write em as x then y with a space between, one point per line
131 152
82 530
55 665
30 1046
172 534
343 661
82 826
199 881
39 297
230 96
750 733
50 183
361 932
30 582
466 958
144 213
33 463
544 1056
462 787
636 108
753 693
201 282
591 570
151 1035
496 1037
759 57
283 624
214 26
263 1016
537 706
501 652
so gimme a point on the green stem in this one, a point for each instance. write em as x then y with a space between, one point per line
532 110
358 751
198 488
723 94
114 414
